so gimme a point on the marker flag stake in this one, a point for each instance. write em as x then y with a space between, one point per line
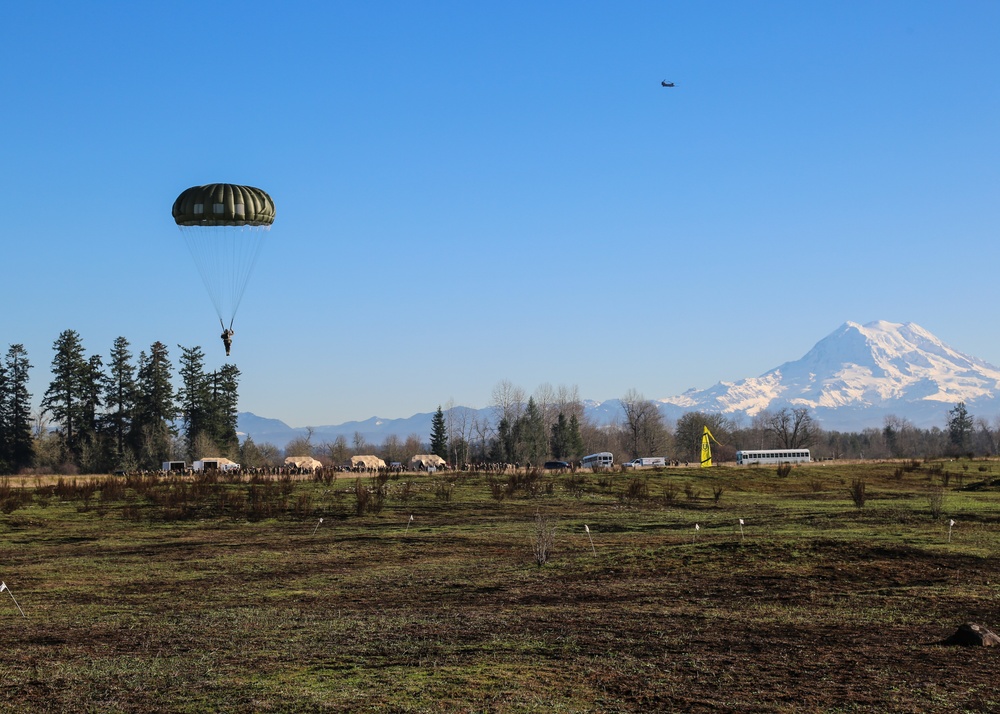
587 528
3 586
317 526
408 525
741 529
951 524
695 536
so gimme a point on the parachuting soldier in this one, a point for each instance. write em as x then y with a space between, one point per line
222 224
227 339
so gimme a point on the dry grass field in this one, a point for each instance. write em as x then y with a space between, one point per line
146 594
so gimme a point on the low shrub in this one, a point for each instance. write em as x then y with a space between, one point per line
857 492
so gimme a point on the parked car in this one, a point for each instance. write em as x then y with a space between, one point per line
554 465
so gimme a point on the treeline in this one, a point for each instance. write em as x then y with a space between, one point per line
552 424
122 415
127 414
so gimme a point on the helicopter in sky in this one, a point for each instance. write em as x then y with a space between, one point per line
665 83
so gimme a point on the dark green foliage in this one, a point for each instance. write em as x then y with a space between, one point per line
17 450
505 444
575 438
439 435
223 407
193 398
119 403
960 425
155 408
566 442
559 443
67 394
534 441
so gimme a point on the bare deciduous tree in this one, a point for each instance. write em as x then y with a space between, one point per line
791 428
508 401
643 429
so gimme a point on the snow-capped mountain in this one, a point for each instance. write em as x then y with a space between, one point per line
850 380
857 375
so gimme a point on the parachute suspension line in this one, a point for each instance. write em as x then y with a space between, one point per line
204 260
250 240
223 226
225 257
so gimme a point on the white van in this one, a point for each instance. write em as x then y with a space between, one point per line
646 461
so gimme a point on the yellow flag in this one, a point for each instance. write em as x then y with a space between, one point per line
706 448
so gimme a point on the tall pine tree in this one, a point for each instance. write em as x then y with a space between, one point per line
534 441
224 409
193 399
119 404
439 435
19 442
155 408
5 422
66 396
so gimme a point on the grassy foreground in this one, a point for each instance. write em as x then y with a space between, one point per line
234 597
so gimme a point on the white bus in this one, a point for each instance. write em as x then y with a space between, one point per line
603 460
772 456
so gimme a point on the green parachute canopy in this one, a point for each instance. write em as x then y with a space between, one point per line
223 204
223 225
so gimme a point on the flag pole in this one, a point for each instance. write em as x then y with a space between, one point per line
3 586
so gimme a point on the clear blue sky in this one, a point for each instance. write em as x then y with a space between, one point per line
474 191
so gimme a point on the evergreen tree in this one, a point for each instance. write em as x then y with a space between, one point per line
155 408
439 434
960 425
253 455
19 441
505 445
575 438
194 399
5 421
559 443
119 402
534 443
224 408
66 396
93 456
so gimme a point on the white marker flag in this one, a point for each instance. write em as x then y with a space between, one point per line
950 523
3 586
741 521
586 527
